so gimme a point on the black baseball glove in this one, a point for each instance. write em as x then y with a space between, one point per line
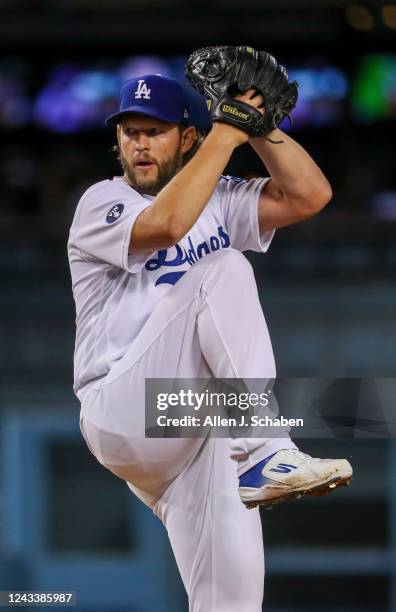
220 73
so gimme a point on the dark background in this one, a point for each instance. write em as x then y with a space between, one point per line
327 289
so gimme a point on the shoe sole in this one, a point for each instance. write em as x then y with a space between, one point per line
318 491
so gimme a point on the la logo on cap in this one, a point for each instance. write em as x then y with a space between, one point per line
142 90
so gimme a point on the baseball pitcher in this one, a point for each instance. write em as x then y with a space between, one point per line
162 290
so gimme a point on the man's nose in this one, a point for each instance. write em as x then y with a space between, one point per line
142 141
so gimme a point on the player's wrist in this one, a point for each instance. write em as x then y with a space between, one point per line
276 136
228 134
271 135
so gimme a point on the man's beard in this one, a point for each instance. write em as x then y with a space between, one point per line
165 173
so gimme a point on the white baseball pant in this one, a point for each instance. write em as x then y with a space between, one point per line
209 323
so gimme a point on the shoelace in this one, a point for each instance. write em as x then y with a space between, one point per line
300 455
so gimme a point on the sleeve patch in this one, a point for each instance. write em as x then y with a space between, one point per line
114 213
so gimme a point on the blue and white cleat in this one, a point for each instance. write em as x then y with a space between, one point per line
288 474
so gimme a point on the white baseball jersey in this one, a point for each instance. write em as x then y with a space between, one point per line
114 290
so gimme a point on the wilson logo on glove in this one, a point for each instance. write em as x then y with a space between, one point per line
232 110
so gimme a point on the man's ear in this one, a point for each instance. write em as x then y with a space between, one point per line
188 138
119 130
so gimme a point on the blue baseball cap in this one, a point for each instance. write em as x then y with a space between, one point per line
199 114
155 96
163 98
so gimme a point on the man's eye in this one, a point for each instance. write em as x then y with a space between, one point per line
131 133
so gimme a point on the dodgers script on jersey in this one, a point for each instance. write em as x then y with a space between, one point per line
115 290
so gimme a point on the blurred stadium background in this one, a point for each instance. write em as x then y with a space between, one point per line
327 288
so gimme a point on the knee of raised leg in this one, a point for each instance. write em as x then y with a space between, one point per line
233 260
